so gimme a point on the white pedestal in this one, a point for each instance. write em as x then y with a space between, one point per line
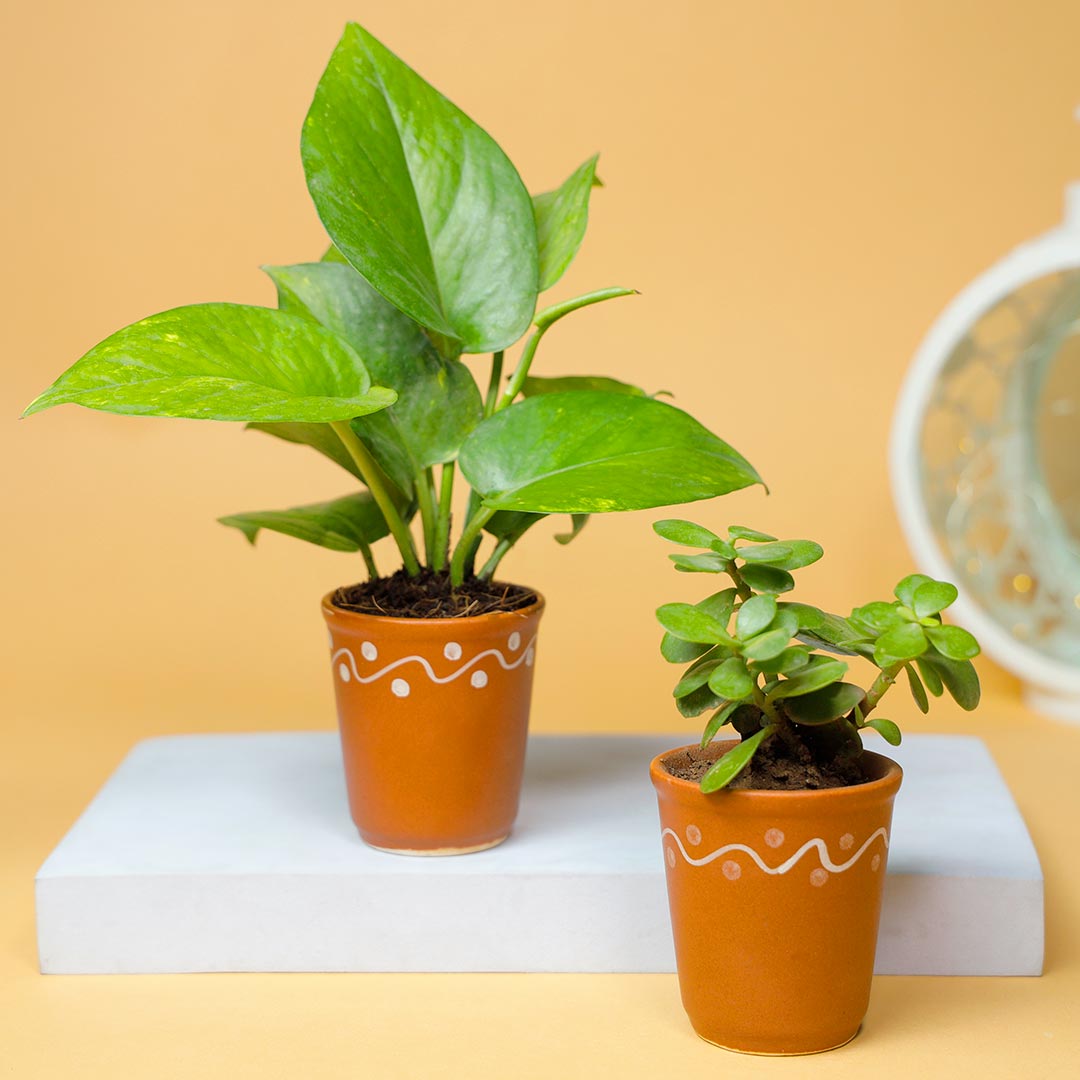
236 853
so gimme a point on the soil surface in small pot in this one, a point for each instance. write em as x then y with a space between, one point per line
431 596
775 767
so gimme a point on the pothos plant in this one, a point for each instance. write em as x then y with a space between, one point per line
772 669
438 252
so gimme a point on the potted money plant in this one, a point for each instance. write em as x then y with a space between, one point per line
775 842
437 253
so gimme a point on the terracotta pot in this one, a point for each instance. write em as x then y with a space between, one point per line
775 898
434 715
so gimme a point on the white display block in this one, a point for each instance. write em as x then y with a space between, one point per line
236 853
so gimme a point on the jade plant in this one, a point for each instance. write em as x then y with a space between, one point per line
437 252
773 669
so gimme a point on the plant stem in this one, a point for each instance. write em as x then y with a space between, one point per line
886 677
494 383
369 560
469 536
442 529
371 475
496 557
744 591
426 500
517 380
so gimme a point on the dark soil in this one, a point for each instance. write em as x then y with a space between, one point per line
775 767
431 596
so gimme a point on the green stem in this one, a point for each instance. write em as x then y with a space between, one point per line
496 557
886 677
371 474
369 560
517 380
469 536
442 530
426 500
493 383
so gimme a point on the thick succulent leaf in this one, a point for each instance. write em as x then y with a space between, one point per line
887 729
719 605
438 400
706 563
741 532
346 524
824 705
698 675
589 452
918 691
767 579
677 651
420 199
932 597
877 617
785 555
692 624
731 679
698 702
931 679
824 630
560 384
907 587
717 721
734 761
687 533
561 217
766 646
953 642
754 616
958 676
903 642
221 362
786 662
321 437
811 678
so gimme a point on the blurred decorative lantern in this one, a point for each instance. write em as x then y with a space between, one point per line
986 460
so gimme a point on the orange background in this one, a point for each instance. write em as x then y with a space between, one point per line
796 188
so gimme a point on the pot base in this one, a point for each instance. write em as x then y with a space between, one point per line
780 1053
437 852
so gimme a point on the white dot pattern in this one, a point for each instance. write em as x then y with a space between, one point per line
731 870
343 671
452 650
478 679
400 688
847 841
774 837
818 877
693 834
514 640
368 651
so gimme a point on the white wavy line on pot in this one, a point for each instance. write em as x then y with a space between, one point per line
784 867
507 666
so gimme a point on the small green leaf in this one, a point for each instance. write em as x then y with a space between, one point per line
959 677
561 217
903 642
932 597
877 617
787 555
707 563
577 523
953 642
824 630
767 579
686 533
811 678
930 677
719 605
562 384
676 651
740 532
825 705
786 662
717 721
692 624
734 761
701 700
346 524
731 680
754 616
918 691
221 362
886 729
766 646
586 452
905 589
698 675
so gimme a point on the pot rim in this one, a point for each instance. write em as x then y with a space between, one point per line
888 783
330 609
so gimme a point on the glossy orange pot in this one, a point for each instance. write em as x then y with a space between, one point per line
434 715
775 898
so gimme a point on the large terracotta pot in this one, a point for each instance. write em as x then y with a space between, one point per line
434 715
775 898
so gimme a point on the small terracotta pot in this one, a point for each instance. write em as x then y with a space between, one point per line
434 715
775 898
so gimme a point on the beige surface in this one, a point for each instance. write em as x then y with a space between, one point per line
797 188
